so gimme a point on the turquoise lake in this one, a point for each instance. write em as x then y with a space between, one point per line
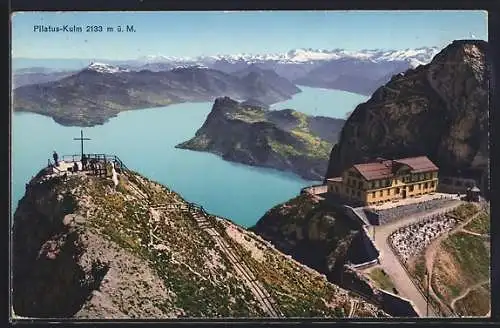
145 140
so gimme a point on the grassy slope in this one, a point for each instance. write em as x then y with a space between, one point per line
124 223
190 256
297 295
463 262
480 224
312 146
309 145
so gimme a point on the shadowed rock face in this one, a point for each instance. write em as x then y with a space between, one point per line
48 278
440 110
321 237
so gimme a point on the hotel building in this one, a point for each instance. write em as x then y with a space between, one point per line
386 180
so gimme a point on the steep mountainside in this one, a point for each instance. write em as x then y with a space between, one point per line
439 110
322 237
300 225
285 139
101 91
84 250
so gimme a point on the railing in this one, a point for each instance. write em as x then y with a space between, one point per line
99 157
403 263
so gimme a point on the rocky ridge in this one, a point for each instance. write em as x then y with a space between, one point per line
84 250
284 140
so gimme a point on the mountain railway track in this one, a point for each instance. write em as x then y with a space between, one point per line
261 295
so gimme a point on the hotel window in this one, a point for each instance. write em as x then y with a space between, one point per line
425 185
419 186
360 184
381 193
388 192
387 183
373 195
376 183
397 190
433 184
411 188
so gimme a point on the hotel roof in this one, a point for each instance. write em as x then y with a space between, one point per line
418 164
384 169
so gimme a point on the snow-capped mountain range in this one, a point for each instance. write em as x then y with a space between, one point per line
417 56
354 71
106 68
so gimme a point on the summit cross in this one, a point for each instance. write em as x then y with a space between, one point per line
81 140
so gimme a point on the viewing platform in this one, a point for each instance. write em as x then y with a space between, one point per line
96 165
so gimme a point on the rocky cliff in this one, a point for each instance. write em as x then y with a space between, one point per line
322 237
284 140
83 249
439 110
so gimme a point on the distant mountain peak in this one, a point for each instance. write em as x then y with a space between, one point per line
105 68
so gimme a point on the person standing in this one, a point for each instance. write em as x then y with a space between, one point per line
84 162
56 158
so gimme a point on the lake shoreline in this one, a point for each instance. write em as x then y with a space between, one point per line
145 140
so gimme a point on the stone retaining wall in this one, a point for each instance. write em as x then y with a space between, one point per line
315 190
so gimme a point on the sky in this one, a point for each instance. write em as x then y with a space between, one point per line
189 34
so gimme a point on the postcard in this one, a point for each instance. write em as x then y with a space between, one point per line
250 164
